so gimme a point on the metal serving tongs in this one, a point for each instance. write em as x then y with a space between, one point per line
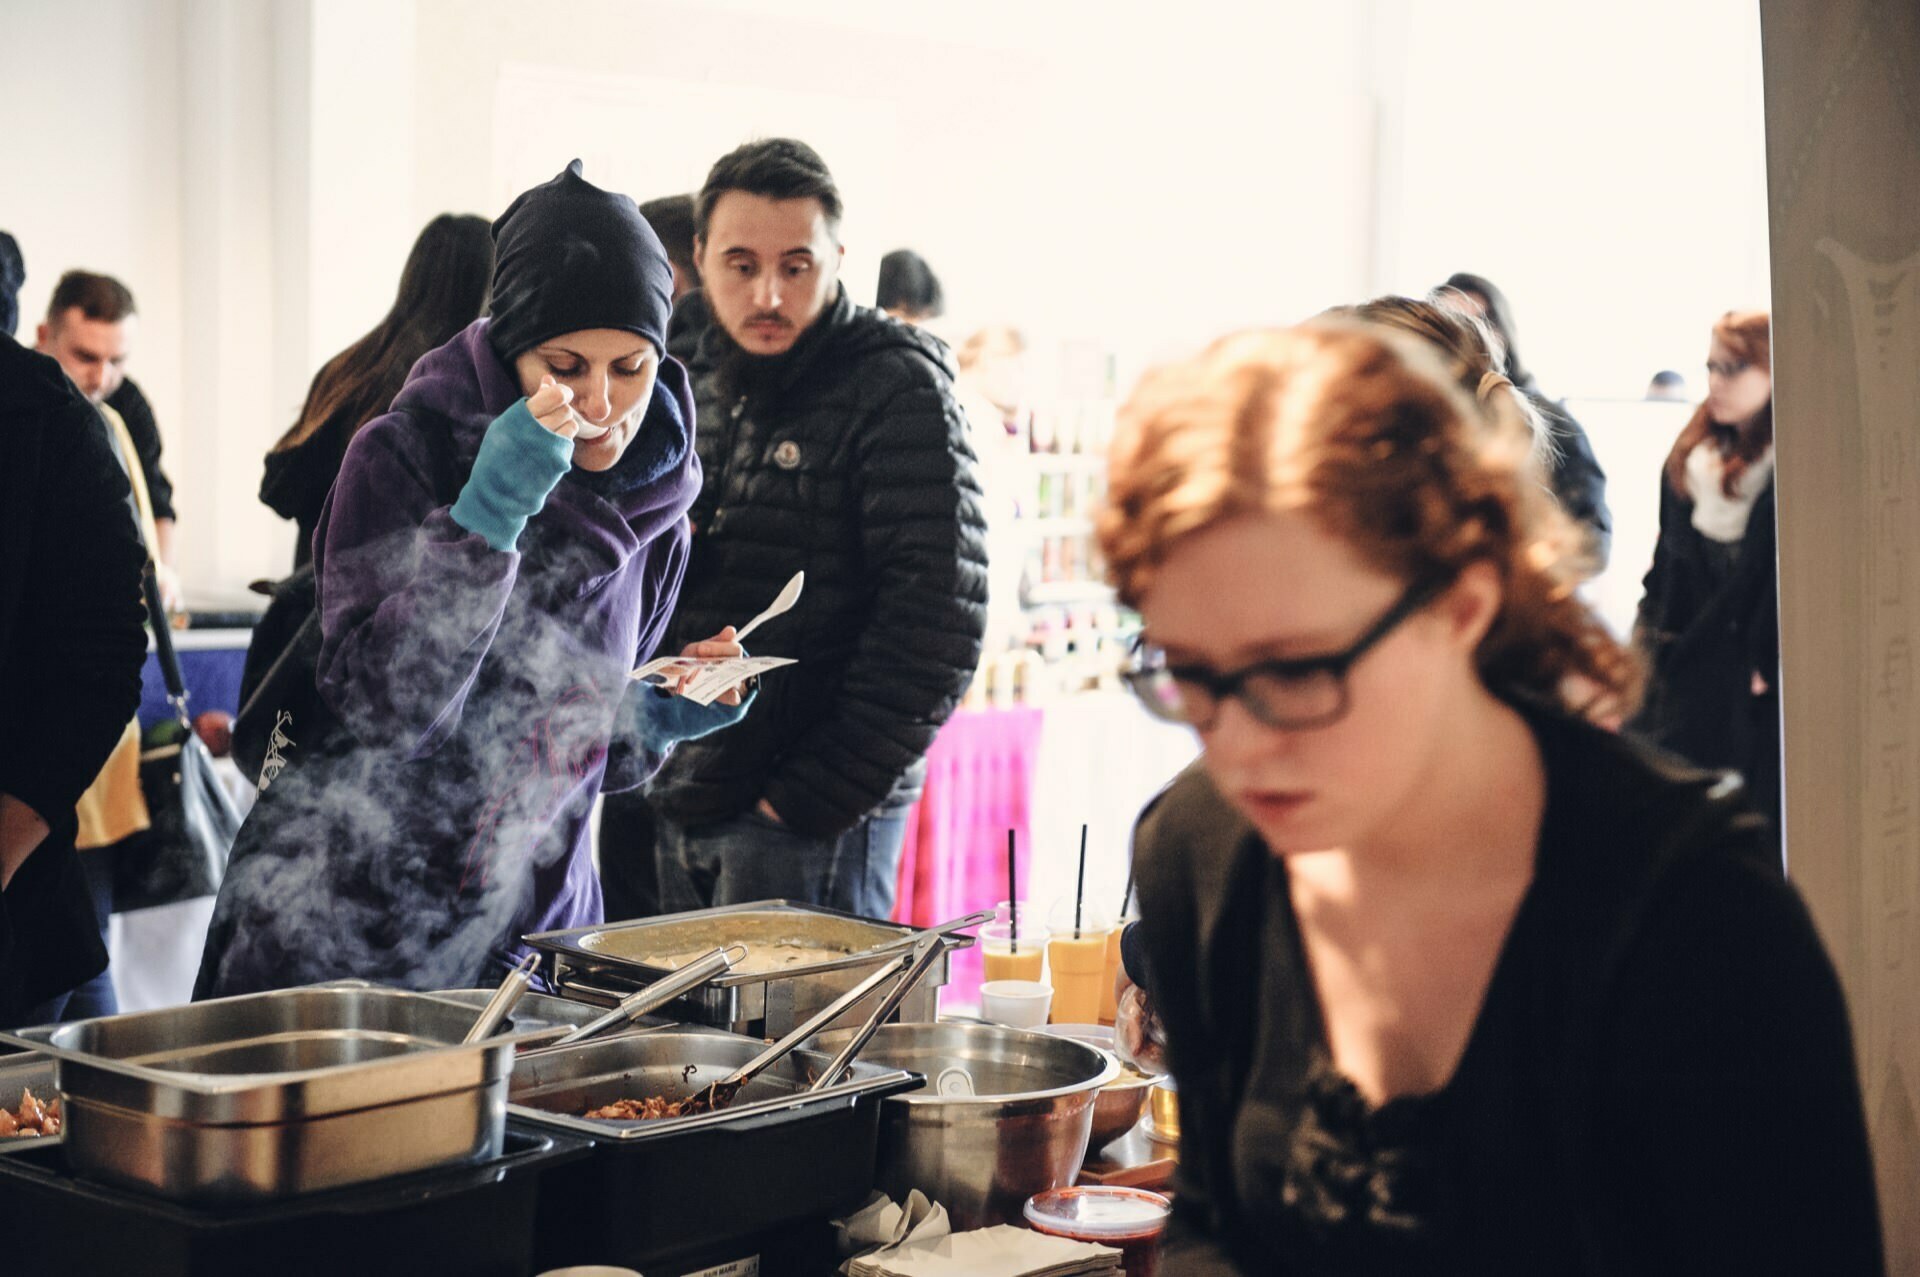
910 941
917 960
660 992
504 999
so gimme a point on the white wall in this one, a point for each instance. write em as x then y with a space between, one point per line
1084 170
214 155
91 175
1116 178
1604 164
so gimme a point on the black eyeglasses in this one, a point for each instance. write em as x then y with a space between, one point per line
1294 694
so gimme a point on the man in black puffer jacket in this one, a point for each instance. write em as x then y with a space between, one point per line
832 444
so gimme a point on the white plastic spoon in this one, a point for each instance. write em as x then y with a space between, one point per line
789 595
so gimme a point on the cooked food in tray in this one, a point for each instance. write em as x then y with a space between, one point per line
776 940
654 1106
32 1117
763 956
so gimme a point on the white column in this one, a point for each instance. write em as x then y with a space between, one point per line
298 138
230 407
358 200
1843 172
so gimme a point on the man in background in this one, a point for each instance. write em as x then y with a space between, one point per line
908 288
832 443
1667 386
671 217
90 329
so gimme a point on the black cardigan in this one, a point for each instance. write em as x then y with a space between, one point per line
72 641
1706 633
295 481
1661 1079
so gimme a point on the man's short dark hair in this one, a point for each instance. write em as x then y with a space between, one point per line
98 297
776 168
671 217
908 285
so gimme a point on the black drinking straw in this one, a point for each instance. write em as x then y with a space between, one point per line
1127 895
1013 899
1080 892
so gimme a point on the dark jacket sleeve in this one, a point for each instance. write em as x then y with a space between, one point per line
923 539
82 636
1666 602
1579 482
1730 1113
131 403
409 599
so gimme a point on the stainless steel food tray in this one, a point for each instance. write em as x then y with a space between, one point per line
600 964
553 1087
272 1094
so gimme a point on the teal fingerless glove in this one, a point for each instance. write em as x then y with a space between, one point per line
520 462
663 721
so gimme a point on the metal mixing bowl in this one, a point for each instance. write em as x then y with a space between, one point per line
1120 1102
1023 1130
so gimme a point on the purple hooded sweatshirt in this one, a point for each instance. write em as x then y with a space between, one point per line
483 693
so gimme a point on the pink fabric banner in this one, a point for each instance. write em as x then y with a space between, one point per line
954 859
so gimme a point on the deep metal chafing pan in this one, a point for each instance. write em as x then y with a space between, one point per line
271 1094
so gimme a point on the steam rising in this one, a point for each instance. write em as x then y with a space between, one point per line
413 852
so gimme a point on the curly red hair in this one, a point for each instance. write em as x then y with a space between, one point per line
1362 429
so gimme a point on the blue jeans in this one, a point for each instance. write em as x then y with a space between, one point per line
749 857
96 997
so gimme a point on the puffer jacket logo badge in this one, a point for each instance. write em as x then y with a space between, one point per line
787 455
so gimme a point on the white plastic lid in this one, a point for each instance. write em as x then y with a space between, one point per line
1099 1212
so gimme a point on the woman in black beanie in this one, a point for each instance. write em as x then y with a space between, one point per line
501 549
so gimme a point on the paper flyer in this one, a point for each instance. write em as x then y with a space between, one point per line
712 676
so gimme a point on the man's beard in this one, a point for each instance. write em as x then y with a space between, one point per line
745 372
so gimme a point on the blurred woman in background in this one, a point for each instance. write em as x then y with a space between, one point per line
1578 481
1709 619
443 288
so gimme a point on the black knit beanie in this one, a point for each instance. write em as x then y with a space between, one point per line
569 256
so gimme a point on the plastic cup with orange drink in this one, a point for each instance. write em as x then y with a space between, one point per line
1077 955
1005 955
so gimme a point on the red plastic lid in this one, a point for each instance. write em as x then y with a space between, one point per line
1099 1212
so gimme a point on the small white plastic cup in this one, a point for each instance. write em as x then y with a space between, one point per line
1018 1004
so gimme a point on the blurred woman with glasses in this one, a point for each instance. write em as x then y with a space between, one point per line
1710 616
1452 980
